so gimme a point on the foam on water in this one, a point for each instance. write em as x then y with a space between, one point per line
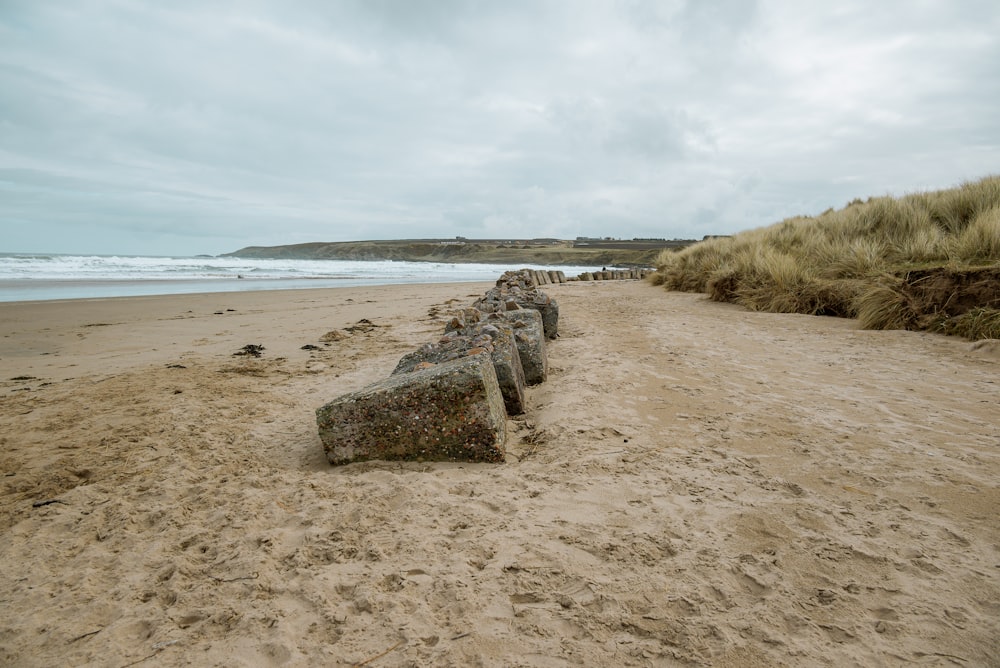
45 277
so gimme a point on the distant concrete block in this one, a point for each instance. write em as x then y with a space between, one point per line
550 313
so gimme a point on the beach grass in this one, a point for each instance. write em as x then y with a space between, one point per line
924 261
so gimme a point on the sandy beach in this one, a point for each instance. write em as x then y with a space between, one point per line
695 485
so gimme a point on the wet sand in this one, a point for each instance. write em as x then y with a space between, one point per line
694 485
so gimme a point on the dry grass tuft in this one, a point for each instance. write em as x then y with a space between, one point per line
976 324
979 242
884 306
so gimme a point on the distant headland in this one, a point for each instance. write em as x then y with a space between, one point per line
556 252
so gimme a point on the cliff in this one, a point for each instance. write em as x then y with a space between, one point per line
544 252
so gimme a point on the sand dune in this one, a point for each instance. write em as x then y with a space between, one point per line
694 485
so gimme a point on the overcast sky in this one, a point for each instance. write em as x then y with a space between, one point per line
176 127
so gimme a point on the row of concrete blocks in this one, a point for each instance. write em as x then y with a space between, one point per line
543 277
615 275
448 400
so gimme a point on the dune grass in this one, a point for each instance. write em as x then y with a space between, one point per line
863 262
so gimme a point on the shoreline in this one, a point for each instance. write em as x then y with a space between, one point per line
694 484
18 291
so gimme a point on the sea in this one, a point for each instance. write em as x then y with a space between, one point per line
39 276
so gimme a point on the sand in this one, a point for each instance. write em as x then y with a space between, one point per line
694 485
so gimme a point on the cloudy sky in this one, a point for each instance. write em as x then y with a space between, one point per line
147 127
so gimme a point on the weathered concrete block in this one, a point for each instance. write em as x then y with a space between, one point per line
448 412
467 317
550 313
510 373
495 338
529 335
498 299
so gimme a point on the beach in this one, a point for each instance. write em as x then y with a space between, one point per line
695 484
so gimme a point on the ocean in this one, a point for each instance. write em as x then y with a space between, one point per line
28 277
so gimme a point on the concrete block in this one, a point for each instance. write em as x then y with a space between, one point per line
452 411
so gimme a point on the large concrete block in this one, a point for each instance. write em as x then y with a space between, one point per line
447 412
507 365
529 336
549 310
494 337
